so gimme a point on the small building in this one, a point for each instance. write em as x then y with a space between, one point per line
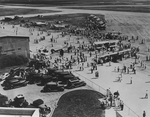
18 45
19 112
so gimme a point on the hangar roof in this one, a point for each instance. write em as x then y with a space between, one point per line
20 37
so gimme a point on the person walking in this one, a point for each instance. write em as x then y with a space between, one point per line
127 70
115 69
90 54
144 114
96 74
119 78
121 105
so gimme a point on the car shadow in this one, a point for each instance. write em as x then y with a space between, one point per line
89 73
116 81
94 78
108 65
77 70
143 98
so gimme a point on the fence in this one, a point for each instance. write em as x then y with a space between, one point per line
127 112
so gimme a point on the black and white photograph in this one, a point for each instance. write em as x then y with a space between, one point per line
74 58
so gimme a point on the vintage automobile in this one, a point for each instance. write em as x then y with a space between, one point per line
39 103
19 101
51 71
3 76
63 73
45 79
74 83
37 64
14 83
65 78
33 77
52 87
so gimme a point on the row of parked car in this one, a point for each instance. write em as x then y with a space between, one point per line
53 80
15 78
62 80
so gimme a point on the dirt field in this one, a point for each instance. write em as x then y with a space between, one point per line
124 8
132 26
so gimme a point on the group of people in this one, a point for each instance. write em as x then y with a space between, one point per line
112 100
125 69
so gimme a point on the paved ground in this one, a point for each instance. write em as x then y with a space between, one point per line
129 93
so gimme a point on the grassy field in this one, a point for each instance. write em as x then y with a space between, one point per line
16 11
132 8
79 103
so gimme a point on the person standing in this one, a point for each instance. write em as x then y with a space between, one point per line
115 69
146 95
108 93
91 70
88 64
145 66
96 74
144 114
121 105
109 63
131 80
118 69
128 70
82 66
125 69
90 54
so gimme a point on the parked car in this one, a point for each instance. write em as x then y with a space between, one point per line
74 83
33 77
39 103
63 73
3 76
51 71
19 101
14 83
52 87
45 79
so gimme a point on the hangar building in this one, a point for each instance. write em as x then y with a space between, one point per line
18 45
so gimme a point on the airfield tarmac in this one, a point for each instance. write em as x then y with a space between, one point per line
128 23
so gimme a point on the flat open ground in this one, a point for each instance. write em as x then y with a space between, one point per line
131 24
16 11
125 8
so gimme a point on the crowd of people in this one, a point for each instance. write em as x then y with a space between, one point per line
112 100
